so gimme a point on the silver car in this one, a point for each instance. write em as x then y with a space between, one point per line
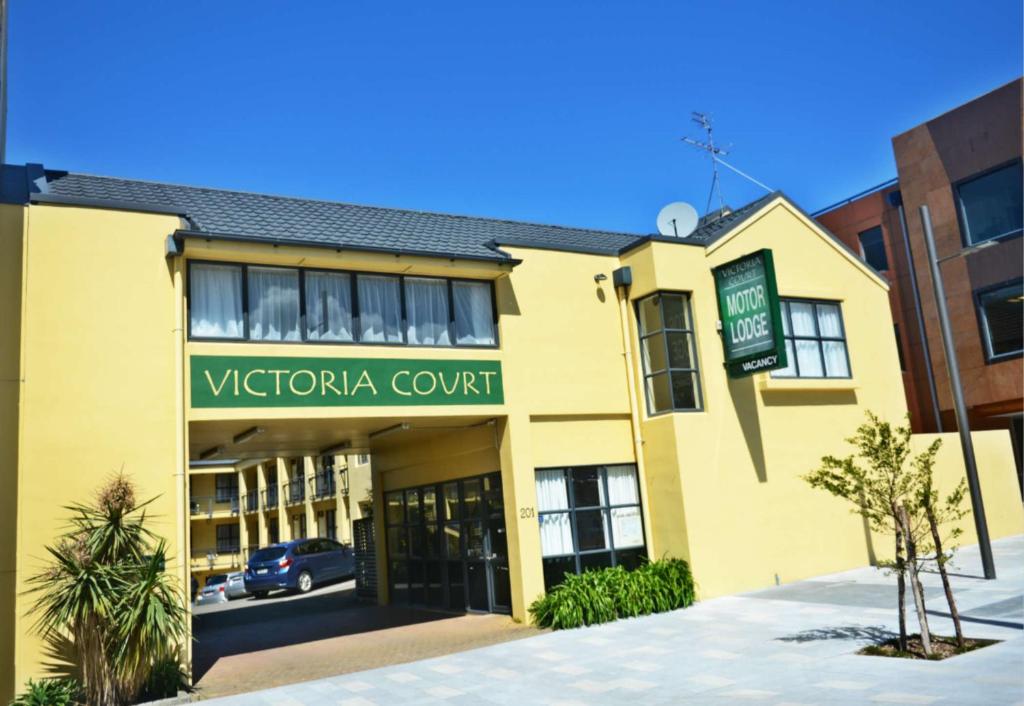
215 590
236 586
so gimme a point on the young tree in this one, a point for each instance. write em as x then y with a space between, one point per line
877 481
107 591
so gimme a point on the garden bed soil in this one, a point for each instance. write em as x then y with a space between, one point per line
942 647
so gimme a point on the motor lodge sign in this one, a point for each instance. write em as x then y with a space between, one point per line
257 381
748 306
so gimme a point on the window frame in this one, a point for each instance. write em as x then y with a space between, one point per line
235 535
645 374
788 321
356 323
885 249
605 509
983 330
965 239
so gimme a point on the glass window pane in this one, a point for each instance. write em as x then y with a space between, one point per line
474 314
790 370
802 318
650 315
595 562
627 529
380 309
622 487
395 508
551 490
631 558
451 501
426 311
215 301
784 312
991 205
556 534
835 359
452 539
652 349
830 323
659 394
592 529
684 390
587 489
328 306
471 501
430 505
474 539
680 353
412 507
398 543
556 569
273 304
872 247
1002 312
674 311
809 359
431 546
416 540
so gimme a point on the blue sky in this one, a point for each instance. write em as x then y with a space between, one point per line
555 112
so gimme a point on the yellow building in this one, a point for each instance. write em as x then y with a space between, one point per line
535 399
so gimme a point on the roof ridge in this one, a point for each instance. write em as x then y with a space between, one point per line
350 204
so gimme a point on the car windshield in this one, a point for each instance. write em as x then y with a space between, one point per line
268 554
217 578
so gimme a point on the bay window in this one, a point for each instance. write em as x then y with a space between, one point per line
668 352
815 340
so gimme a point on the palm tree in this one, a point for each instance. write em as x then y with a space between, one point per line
107 591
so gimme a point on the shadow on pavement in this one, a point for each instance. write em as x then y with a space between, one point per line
849 632
267 624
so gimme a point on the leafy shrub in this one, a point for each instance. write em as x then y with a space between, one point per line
49 692
602 596
166 678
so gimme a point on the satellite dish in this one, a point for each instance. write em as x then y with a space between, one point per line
677 220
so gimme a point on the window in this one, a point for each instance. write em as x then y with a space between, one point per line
990 206
1000 312
216 301
273 304
815 340
331 520
227 487
589 518
328 306
227 539
426 311
872 248
362 459
247 302
669 353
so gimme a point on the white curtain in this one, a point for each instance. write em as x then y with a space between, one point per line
627 529
622 485
426 311
555 529
830 324
328 306
474 317
273 304
380 309
807 356
790 369
216 301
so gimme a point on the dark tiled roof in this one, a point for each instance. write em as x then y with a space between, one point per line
285 220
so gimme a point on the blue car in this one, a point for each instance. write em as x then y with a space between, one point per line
297 566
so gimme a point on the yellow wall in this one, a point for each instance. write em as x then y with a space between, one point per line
11 236
98 392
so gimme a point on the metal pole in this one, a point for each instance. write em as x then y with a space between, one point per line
896 198
953 367
3 82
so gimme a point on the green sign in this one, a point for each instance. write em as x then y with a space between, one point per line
265 381
748 305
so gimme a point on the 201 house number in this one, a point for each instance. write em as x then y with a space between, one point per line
526 512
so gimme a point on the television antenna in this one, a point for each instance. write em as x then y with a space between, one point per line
716 154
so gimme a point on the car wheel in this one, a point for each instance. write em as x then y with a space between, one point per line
305 582
259 594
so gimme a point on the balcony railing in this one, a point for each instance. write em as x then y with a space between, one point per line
251 501
224 555
270 497
322 485
209 504
295 492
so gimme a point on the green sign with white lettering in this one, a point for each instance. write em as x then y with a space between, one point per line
748 306
265 381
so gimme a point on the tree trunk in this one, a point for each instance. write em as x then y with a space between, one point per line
915 581
901 585
940 560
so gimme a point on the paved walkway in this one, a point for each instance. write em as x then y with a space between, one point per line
790 645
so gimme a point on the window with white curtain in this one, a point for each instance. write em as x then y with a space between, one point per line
380 309
474 315
273 304
426 311
815 340
215 301
589 518
328 306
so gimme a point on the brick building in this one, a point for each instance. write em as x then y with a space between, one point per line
966 166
